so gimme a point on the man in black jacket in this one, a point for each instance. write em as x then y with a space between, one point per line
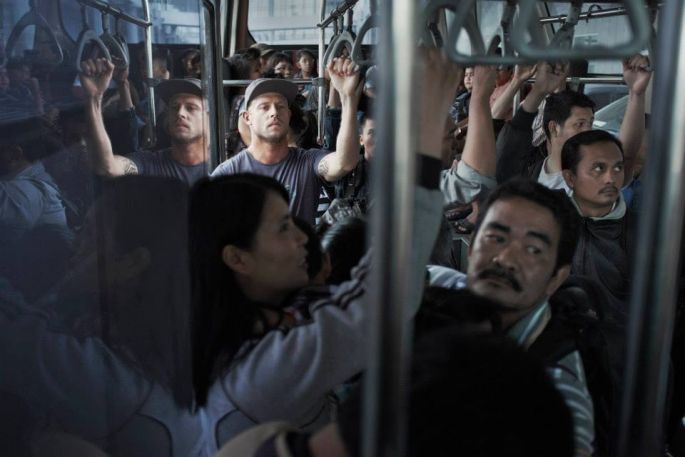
565 114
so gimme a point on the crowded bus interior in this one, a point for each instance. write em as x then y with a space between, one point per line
342 228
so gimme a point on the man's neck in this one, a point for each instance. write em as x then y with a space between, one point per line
269 153
594 211
189 153
553 164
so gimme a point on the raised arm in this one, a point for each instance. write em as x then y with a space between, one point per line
95 77
548 78
637 78
514 142
479 150
504 102
345 79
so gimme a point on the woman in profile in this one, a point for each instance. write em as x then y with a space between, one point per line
253 360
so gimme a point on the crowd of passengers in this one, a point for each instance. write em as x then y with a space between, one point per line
151 305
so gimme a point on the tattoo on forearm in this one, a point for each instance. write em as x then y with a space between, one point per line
129 166
323 167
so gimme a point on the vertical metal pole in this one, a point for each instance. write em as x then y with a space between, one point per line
214 81
659 245
152 111
321 109
391 229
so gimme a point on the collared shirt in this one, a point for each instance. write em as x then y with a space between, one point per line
568 376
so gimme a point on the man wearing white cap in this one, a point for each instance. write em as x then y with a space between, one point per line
186 121
268 114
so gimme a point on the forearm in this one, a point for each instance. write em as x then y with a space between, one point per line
533 100
503 105
125 100
632 130
479 150
346 154
98 141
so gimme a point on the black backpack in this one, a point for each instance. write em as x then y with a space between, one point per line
579 323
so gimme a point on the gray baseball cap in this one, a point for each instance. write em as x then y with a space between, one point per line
265 85
167 89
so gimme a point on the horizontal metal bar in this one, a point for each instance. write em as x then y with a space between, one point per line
246 82
587 15
115 12
591 80
336 13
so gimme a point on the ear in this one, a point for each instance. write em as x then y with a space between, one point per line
569 177
552 126
246 116
557 279
236 259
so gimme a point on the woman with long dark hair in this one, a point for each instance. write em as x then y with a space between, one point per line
253 362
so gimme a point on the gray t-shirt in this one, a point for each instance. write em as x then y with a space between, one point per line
160 163
297 172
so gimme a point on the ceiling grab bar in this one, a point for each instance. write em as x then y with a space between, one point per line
465 19
529 21
86 36
509 56
334 39
116 50
33 17
122 41
429 33
346 39
357 50
563 38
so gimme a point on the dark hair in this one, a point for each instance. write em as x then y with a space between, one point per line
225 210
345 243
363 116
147 322
475 395
31 134
304 52
275 59
558 107
556 201
570 152
241 63
313 246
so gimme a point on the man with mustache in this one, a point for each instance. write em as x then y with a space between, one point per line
520 253
187 122
268 114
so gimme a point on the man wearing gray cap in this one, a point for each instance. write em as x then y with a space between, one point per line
268 114
186 121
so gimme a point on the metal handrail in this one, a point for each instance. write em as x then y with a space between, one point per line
528 21
247 82
656 275
336 13
370 23
86 36
563 38
117 13
391 227
214 78
321 106
113 44
33 17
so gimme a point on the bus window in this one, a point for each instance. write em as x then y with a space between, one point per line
285 22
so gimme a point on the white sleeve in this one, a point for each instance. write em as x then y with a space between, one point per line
288 373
